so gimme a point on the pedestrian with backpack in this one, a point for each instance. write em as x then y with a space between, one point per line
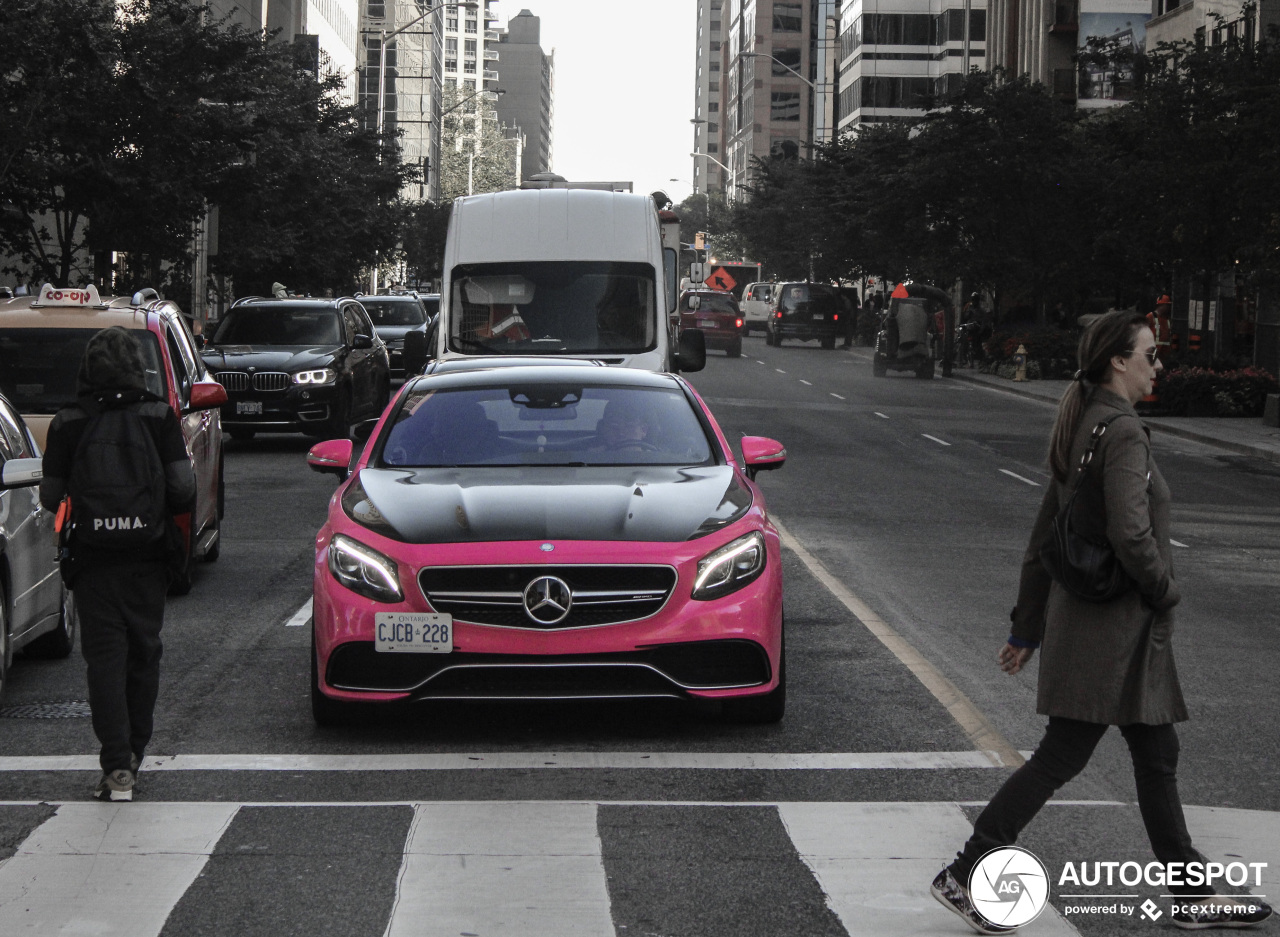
118 456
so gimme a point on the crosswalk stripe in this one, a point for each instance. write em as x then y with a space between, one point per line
108 869
525 761
499 869
875 862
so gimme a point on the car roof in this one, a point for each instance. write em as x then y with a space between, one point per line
319 302
489 362
501 373
26 312
389 297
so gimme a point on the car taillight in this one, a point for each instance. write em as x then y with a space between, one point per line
835 317
739 322
778 314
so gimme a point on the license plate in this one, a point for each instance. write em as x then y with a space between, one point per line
248 407
413 633
707 323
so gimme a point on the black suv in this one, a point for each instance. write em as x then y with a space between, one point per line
395 315
298 365
804 311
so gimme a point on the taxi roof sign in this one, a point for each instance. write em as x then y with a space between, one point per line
76 296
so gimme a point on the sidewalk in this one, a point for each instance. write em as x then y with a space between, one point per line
1245 435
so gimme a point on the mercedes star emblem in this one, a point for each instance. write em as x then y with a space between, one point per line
547 600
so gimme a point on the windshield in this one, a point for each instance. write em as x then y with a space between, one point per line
279 325
546 424
808 297
38 367
553 308
710 302
394 312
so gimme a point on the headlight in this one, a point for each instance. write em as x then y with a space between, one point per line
319 376
364 570
731 567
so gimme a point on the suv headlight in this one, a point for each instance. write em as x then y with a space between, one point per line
364 570
318 376
731 567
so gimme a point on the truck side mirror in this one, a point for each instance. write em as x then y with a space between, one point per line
698 273
691 354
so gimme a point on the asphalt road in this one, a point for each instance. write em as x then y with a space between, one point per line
915 496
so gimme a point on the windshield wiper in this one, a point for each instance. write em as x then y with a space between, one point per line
480 346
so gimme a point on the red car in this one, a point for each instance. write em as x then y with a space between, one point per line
717 315
548 531
42 341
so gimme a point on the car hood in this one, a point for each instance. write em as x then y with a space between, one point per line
269 357
461 505
394 333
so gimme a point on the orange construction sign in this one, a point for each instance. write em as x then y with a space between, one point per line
721 280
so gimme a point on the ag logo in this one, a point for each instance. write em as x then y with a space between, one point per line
1009 887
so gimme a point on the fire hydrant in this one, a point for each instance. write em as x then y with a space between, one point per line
1020 363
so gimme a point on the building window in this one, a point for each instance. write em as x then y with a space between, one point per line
451 46
713 147
713 127
783 57
471 26
469 48
377 10
787 18
469 66
713 66
451 23
713 108
450 65
784 105
469 84
894 92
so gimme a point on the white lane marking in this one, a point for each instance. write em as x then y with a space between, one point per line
875 862
1229 834
108 869
301 616
525 761
837 396
780 371
940 442
984 736
881 415
803 381
759 361
497 869
1020 478
1177 543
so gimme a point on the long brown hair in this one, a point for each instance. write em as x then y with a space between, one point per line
1106 336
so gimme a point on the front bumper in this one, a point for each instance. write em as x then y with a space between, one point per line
299 407
688 649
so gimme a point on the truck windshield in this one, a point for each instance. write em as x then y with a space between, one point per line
553 308
38 367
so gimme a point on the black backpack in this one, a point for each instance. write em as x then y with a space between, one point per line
117 484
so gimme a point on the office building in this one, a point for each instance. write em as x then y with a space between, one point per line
894 55
707 176
526 76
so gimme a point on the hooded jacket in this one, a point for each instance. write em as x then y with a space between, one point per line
112 375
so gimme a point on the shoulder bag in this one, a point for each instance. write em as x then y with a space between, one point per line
1077 553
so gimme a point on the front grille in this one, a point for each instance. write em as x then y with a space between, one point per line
271 380
233 380
494 595
660 670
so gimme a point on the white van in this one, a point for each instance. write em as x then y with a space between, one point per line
757 300
565 273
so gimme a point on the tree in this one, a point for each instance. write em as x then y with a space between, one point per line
425 230
475 154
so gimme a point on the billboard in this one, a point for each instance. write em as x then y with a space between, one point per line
1111 34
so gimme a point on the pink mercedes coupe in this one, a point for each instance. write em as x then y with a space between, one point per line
548 531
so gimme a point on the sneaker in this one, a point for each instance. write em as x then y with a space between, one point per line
955 898
1221 911
118 785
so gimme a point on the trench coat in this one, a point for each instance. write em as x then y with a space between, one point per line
1110 662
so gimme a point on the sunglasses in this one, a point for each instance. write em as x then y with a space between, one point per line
1149 355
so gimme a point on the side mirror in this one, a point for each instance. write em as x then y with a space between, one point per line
415 355
697 273
761 454
21 473
691 352
205 395
695 302
331 457
362 341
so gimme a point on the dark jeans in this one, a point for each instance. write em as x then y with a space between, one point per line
121 611
1063 753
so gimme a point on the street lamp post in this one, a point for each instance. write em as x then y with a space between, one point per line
766 55
732 175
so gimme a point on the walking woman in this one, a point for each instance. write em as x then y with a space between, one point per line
1102 664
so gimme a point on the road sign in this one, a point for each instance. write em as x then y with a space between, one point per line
721 280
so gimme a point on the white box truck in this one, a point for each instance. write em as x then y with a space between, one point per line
562 272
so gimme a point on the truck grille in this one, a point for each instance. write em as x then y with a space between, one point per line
495 595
